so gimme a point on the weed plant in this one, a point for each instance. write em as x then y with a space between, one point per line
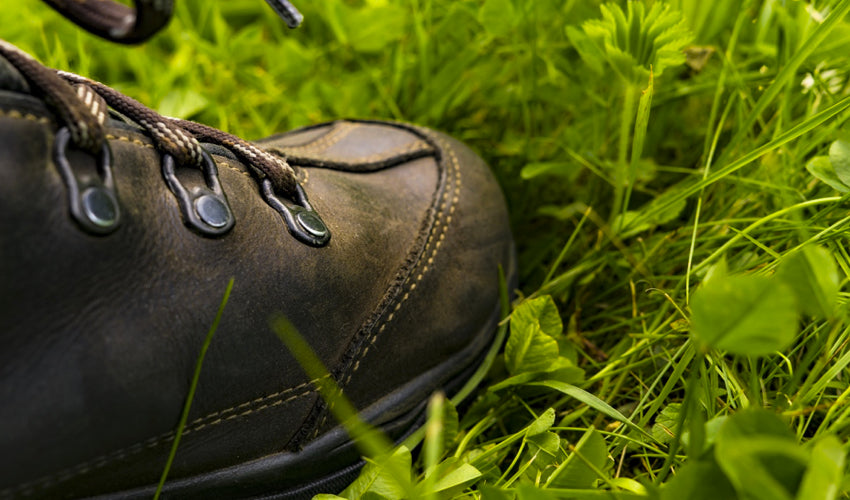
677 175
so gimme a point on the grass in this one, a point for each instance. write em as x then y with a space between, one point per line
681 223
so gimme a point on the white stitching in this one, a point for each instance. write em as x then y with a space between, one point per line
454 175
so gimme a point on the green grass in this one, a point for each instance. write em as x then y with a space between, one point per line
683 251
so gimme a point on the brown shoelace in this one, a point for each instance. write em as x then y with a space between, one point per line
81 104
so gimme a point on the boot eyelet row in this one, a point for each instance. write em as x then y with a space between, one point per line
205 209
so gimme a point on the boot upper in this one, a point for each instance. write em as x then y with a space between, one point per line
101 332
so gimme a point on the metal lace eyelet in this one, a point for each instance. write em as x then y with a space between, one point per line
93 201
302 221
204 207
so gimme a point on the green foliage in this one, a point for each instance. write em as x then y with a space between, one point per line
757 456
634 42
744 314
833 169
531 345
814 279
378 480
679 331
582 468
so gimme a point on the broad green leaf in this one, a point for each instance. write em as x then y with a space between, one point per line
813 276
712 429
459 475
823 477
327 496
542 454
548 442
576 472
718 271
542 423
665 423
376 478
699 480
822 169
567 374
569 353
744 314
760 455
753 422
541 311
498 17
764 467
531 345
839 157
529 349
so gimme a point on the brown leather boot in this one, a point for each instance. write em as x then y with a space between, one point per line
380 242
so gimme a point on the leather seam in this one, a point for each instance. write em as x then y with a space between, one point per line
447 209
13 113
417 145
338 131
447 206
404 151
209 420
130 140
235 169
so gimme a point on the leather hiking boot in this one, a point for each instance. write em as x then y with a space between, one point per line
380 242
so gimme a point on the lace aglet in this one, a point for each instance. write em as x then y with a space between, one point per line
287 12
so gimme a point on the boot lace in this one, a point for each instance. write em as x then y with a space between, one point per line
82 105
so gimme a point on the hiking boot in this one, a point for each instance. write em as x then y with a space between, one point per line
380 242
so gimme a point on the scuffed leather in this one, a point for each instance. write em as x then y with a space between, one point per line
100 334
